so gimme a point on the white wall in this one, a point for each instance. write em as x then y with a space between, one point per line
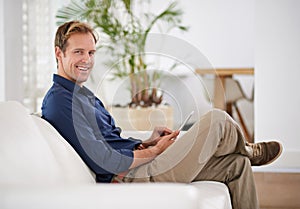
277 64
222 30
12 13
2 64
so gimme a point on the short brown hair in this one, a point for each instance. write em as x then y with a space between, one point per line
64 32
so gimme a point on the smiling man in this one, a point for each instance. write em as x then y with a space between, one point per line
81 118
214 148
75 55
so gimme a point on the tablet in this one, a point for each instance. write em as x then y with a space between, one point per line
185 121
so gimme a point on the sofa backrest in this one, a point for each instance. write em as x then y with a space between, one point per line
32 151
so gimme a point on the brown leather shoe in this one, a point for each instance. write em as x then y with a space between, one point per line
265 152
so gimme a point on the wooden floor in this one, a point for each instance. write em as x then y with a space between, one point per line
278 190
279 208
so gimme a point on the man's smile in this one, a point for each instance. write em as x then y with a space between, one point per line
83 68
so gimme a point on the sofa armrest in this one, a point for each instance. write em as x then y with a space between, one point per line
213 195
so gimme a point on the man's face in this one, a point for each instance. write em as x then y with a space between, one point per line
77 61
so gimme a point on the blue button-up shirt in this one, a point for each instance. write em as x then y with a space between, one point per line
82 120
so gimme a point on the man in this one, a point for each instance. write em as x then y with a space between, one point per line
212 149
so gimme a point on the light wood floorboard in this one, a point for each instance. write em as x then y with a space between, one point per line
278 190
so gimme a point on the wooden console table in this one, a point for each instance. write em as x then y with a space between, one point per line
220 75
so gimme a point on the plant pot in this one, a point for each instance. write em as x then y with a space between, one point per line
142 119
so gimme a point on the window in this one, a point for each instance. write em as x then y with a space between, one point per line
38 49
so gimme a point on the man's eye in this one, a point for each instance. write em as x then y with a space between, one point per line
77 52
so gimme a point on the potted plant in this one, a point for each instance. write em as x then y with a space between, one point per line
123 35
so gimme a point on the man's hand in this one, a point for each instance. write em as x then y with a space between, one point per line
155 137
143 156
165 142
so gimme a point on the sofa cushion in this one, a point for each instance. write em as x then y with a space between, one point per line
73 168
106 196
27 154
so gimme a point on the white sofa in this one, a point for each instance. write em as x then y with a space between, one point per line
39 169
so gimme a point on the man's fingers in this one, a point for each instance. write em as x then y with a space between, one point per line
172 135
165 131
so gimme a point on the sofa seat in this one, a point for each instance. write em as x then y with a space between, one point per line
39 169
106 196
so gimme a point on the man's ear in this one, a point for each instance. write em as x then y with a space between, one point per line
58 53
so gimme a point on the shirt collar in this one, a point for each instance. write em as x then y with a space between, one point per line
71 86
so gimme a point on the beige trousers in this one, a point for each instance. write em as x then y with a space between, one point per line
212 149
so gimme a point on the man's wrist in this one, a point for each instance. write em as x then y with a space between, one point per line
155 151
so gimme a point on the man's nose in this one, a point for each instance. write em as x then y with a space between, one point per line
86 58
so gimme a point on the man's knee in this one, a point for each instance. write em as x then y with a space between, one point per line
216 115
241 163
242 160
215 119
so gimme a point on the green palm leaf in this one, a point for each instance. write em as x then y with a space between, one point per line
126 33
74 11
